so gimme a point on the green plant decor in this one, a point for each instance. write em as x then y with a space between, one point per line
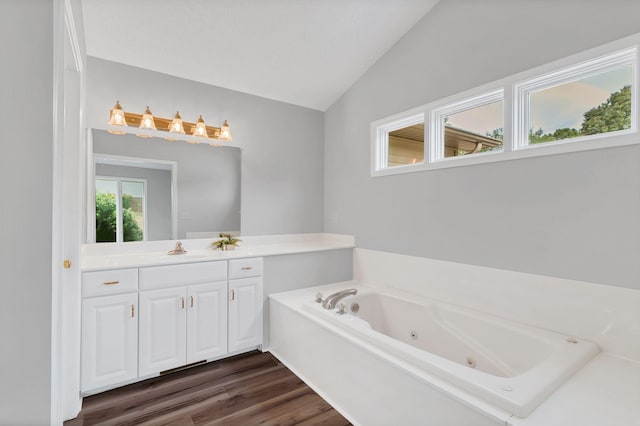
226 243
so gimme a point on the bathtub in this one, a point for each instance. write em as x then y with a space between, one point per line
509 365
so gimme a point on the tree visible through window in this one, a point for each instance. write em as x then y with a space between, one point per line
590 106
108 210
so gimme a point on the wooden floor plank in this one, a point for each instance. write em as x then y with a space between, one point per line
248 389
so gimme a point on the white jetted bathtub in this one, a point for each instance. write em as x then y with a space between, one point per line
512 366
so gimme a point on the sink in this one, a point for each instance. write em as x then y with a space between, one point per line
186 256
163 257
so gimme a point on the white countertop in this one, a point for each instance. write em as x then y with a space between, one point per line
153 253
606 391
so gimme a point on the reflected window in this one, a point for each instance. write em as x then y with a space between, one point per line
120 209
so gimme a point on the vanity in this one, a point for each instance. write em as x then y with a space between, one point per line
143 312
146 313
141 322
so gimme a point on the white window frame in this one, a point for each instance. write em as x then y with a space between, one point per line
601 65
437 134
381 138
516 133
119 216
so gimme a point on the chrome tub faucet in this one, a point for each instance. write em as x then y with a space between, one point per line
331 300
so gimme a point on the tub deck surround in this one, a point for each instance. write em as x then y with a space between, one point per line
605 392
606 315
365 385
151 253
511 366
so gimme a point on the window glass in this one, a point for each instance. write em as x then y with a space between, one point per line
132 211
588 106
406 146
106 210
474 130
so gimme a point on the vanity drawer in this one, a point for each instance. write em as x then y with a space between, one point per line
104 283
242 268
177 275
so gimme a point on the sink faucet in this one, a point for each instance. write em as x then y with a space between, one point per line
178 249
331 301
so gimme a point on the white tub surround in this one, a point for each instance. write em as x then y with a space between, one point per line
511 366
137 254
360 380
605 392
606 315
373 358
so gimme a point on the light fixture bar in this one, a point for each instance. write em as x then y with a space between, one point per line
133 120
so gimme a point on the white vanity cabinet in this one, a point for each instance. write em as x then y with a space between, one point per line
245 303
206 321
109 328
138 322
186 322
163 332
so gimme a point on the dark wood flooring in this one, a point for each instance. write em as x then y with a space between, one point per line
248 389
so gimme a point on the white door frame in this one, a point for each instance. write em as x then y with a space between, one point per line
68 165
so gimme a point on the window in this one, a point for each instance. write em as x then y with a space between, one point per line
401 142
566 106
473 126
582 101
120 209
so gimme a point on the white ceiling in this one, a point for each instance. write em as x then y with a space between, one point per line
305 52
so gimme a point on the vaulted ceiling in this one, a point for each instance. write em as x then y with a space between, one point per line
305 52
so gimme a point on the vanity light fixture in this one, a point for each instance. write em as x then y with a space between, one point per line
117 119
199 130
147 123
176 126
225 132
146 126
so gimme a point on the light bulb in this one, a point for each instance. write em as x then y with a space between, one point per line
146 123
225 132
200 128
117 118
176 126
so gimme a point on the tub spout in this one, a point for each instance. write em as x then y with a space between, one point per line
331 301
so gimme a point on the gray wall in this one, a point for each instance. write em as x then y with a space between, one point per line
572 215
282 160
158 196
26 169
208 178
302 270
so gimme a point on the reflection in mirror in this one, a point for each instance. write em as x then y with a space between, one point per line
133 199
152 189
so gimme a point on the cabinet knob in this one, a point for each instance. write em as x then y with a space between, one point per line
182 302
233 295
133 311
191 301
67 264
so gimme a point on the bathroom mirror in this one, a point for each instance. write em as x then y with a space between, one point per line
146 189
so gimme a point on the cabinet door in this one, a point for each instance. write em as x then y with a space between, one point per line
163 323
206 321
245 313
109 340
